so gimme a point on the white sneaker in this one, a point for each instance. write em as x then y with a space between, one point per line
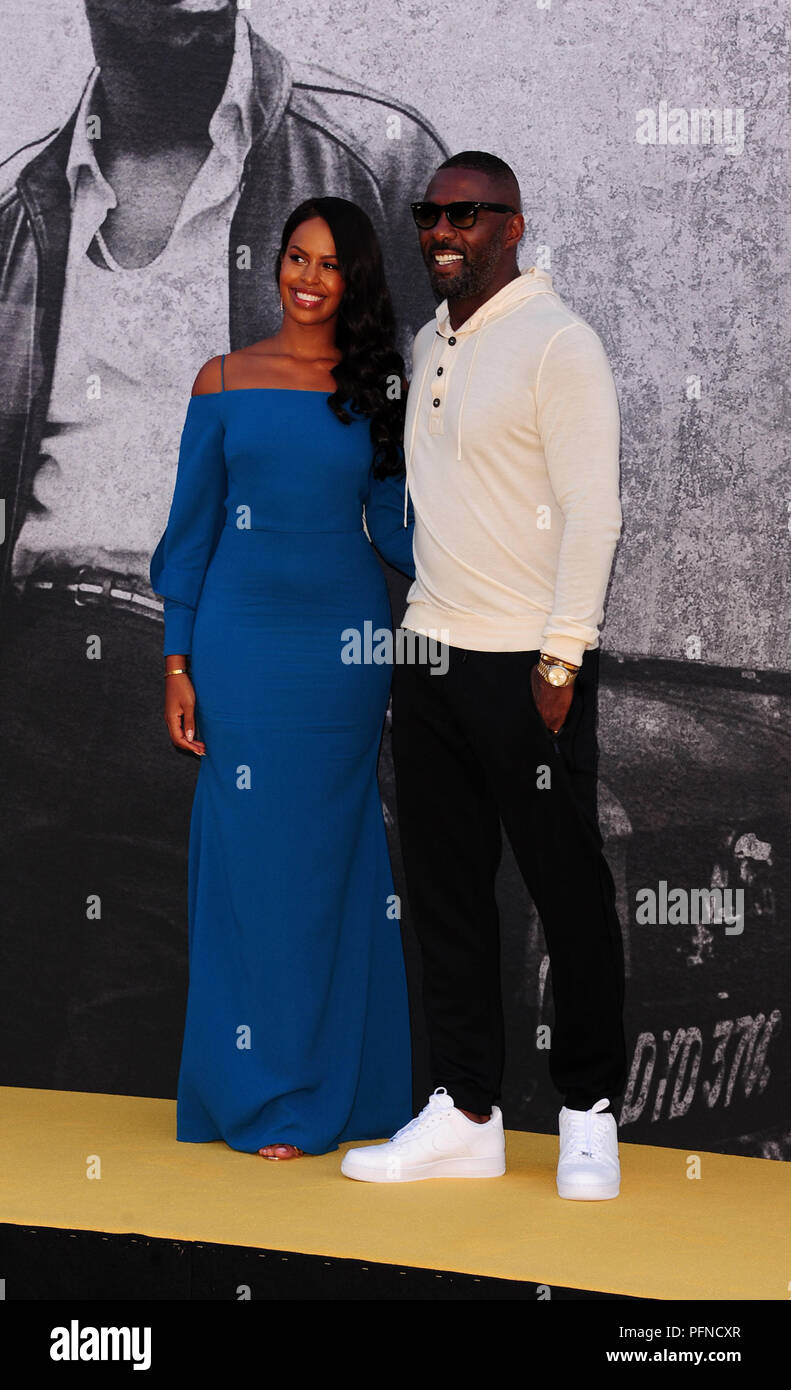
439 1143
588 1167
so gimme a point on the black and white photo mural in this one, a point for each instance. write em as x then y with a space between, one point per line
150 153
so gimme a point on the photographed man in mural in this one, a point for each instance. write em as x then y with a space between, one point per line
136 242
512 437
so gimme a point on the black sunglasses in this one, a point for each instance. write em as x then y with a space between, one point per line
461 215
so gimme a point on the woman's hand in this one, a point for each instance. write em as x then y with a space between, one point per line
180 712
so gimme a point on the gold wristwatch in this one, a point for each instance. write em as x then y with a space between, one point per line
555 671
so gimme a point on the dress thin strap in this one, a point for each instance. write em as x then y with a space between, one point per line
222 371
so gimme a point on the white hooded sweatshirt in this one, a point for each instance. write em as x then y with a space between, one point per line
512 435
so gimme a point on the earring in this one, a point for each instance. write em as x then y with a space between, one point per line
281 305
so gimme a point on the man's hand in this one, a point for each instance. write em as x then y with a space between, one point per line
552 701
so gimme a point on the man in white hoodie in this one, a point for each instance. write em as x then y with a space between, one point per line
511 440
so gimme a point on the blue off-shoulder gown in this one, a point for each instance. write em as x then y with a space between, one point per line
297 1027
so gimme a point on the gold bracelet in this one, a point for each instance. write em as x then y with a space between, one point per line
178 671
557 661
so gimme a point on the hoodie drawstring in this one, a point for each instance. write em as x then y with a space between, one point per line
467 383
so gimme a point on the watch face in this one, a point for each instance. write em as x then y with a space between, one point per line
557 677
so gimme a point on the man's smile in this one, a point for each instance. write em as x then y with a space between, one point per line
440 259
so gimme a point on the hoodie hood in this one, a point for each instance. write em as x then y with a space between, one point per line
524 286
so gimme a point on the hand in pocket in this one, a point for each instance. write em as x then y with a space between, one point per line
552 702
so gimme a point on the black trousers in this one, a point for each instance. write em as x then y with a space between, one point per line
470 749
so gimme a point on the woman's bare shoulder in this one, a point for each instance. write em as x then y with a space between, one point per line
208 379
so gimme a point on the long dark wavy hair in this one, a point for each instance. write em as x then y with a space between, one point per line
370 373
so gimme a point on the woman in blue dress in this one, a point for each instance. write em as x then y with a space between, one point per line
297 1033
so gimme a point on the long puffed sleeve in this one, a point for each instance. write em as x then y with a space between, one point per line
197 516
384 520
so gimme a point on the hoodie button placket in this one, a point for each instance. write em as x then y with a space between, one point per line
436 424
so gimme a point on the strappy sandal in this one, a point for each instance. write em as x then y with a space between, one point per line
278 1158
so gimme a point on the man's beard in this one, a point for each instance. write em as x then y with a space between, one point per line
471 278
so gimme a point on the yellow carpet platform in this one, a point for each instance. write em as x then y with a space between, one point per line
724 1235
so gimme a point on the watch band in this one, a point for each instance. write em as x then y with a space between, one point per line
559 674
558 661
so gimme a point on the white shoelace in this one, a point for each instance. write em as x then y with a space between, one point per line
588 1138
438 1101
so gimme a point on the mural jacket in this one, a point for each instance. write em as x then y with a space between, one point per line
314 133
